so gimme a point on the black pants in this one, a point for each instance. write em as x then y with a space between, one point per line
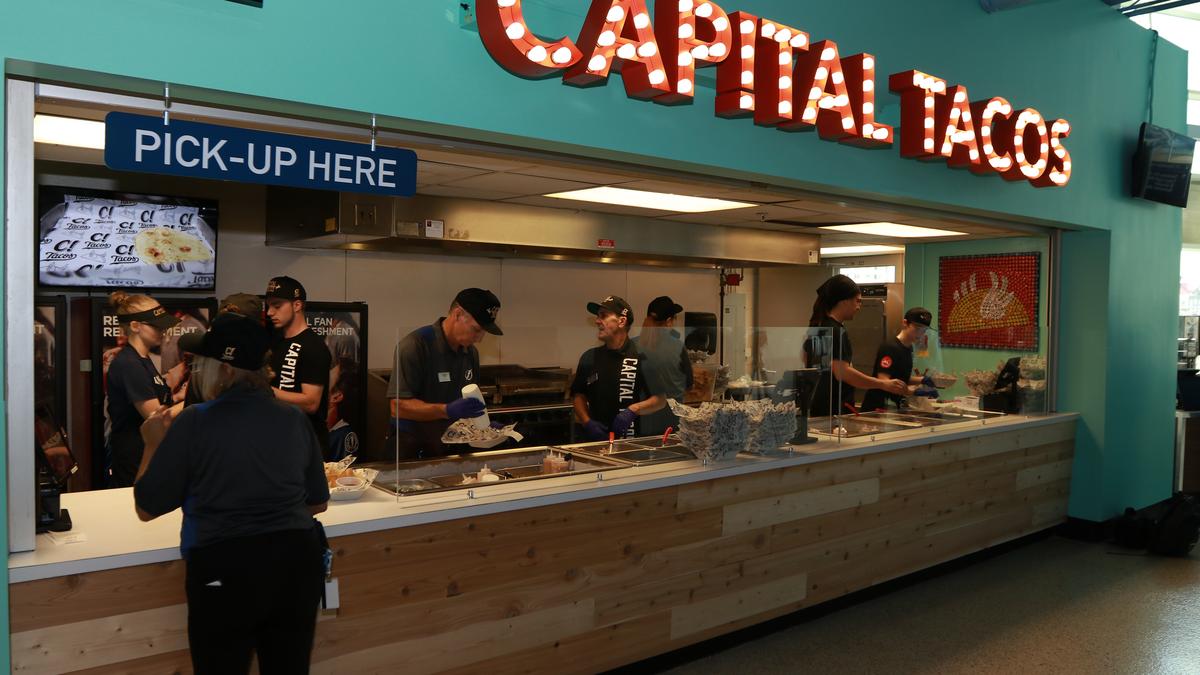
254 594
125 457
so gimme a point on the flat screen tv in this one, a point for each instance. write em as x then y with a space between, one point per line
105 239
1162 165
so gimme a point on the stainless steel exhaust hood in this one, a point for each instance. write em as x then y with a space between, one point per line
298 218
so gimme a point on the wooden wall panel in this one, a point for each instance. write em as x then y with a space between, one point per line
97 642
597 584
768 511
171 663
701 615
78 597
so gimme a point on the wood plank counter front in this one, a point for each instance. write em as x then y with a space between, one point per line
595 583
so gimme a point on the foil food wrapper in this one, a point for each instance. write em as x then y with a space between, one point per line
718 431
465 432
93 241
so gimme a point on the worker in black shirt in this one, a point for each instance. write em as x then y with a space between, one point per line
828 348
299 357
610 390
246 469
135 389
895 357
431 366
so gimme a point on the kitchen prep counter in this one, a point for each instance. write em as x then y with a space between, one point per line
573 573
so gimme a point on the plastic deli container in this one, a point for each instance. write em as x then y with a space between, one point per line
472 391
704 380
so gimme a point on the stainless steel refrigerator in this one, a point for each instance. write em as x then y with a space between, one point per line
868 329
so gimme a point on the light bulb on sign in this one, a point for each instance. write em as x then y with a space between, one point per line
506 36
734 90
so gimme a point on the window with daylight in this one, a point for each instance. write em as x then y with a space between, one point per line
1181 27
1189 282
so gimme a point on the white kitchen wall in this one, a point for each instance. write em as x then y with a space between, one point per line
544 314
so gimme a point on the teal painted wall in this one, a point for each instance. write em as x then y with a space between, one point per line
1085 320
4 624
415 65
410 63
921 265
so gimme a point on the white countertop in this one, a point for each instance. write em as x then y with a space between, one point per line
116 538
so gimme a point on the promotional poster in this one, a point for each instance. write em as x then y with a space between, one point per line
343 326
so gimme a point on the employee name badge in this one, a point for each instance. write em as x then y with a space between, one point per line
444 377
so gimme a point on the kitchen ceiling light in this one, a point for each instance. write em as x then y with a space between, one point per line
837 251
68 131
642 199
892 230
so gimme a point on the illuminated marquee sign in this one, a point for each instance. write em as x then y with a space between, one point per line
775 75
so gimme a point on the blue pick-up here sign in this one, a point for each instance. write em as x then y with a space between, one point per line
197 150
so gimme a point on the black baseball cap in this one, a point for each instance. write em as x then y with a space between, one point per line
286 288
232 338
663 308
614 304
919 316
482 305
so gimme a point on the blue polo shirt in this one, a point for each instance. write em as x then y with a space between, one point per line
239 465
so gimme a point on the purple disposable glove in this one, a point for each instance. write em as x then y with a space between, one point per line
464 407
623 421
595 431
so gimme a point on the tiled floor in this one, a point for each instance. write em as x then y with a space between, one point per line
1052 606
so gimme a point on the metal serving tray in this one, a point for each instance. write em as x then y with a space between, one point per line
454 472
635 451
657 442
855 427
929 418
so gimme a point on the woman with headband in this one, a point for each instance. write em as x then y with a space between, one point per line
838 300
135 387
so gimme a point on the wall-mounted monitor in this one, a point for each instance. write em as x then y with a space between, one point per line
1162 165
105 240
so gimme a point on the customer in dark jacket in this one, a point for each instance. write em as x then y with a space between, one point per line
247 471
